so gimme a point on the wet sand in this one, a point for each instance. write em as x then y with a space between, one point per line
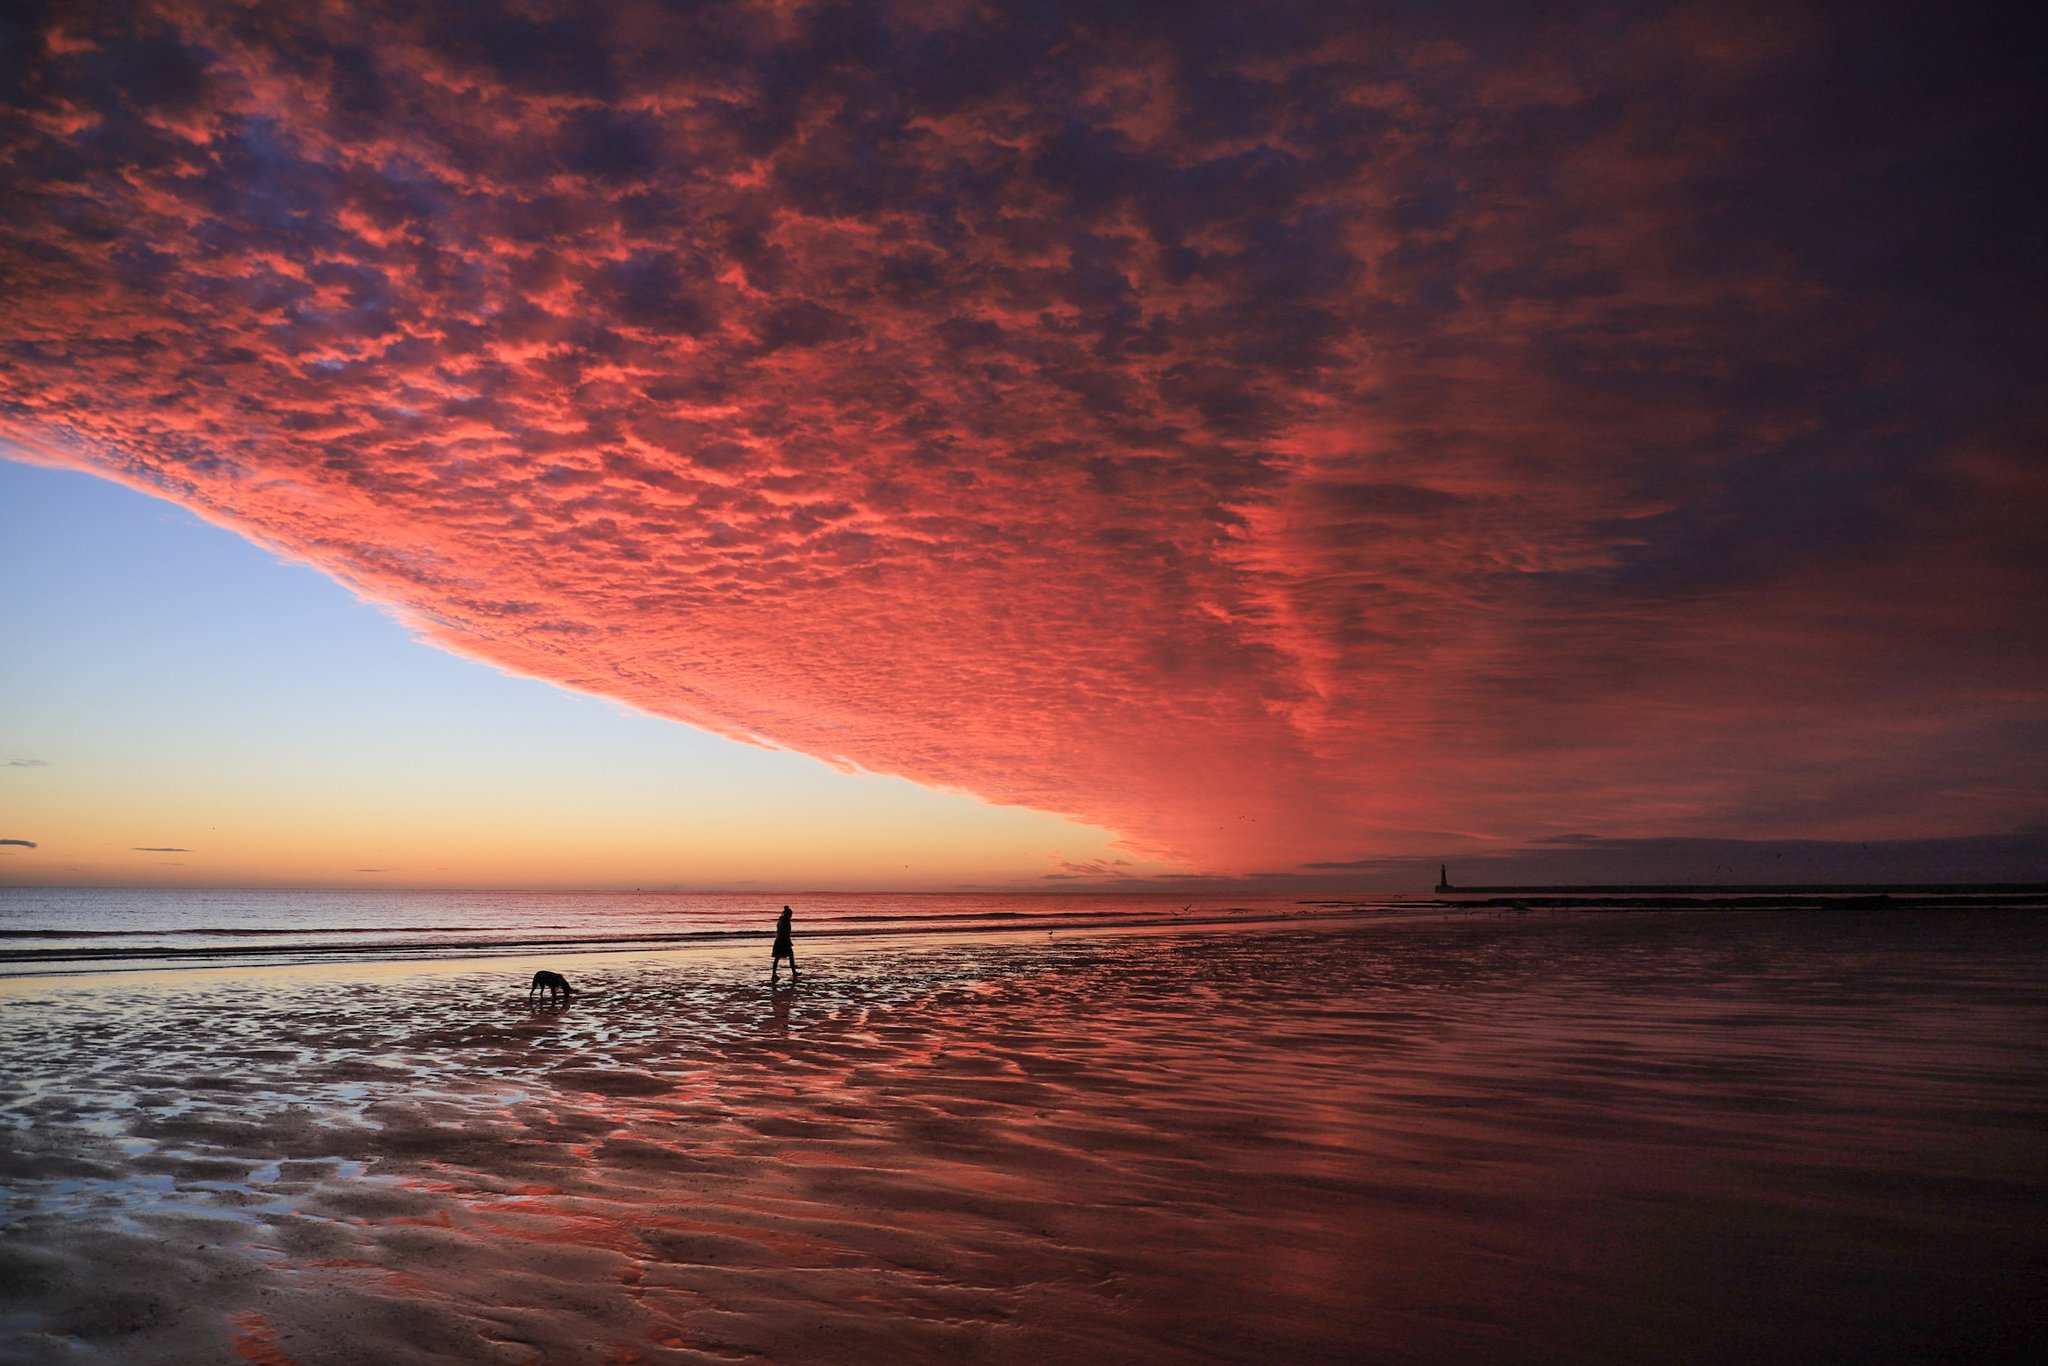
1679 1137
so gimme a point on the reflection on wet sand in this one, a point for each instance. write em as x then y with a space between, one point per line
1547 1137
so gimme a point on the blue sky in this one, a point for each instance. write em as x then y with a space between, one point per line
169 685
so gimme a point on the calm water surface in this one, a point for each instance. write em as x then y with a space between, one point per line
84 928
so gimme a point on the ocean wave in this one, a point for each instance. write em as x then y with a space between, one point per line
231 931
373 944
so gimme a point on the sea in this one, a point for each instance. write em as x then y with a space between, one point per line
100 929
88 929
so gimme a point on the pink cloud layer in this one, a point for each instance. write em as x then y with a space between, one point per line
1270 443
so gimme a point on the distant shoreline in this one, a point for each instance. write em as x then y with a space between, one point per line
1754 888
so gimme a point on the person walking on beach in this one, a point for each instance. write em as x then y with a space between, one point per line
783 949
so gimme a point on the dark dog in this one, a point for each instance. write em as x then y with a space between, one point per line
553 983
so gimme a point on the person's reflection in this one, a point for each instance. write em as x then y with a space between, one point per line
781 998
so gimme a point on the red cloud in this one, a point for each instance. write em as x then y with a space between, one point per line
1261 442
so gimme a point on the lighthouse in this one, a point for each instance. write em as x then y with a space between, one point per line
1443 878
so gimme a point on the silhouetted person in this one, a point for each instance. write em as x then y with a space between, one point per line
783 949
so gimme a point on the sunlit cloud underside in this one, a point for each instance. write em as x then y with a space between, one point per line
1271 433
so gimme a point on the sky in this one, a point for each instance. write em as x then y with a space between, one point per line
1294 441
182 707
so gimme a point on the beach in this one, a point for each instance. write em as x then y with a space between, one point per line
1416 1137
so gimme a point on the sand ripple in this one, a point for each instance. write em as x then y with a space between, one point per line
1553 1138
